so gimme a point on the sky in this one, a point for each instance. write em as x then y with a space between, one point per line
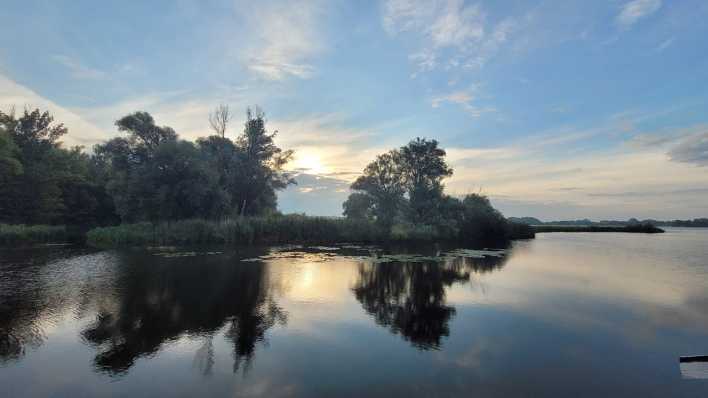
555 109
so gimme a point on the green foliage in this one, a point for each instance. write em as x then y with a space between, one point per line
261 171
382 182
17 234
43 183
423 168
359 206
10 165
154 176
403 191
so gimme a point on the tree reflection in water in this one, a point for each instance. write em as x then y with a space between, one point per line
153 307
409 298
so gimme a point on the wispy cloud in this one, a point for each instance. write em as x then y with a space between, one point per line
635 10
450 29
288 37
78 70
692 149
463 99
81 131
665 44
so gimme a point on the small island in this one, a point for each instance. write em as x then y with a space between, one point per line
149 187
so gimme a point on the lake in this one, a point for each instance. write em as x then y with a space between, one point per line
566 314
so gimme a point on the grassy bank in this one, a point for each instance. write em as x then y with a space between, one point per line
638 228
267 230
23 234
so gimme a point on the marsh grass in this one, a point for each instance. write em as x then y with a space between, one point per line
268 230
22 234
237 231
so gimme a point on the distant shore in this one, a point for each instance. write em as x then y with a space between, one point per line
638 228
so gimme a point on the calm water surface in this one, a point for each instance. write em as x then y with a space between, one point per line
563 315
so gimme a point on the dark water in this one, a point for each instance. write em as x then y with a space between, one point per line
563 315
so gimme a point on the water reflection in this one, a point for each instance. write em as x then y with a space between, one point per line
359 320
409 297
163 301
35 288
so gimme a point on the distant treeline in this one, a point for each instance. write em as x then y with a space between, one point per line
150 175
696 222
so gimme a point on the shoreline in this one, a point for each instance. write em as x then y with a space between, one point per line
640 228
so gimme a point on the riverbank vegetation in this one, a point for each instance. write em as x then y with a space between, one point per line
22 234
148 186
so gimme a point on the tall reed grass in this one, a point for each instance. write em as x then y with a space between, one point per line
242 230
21 234
271 230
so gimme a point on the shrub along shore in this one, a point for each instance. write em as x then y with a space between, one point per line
276 230
22 234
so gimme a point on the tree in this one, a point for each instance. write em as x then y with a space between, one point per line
358 206
382 182
152 175
219 120
144 136
262 171
9 163
45 183
481 221
423 168
33 196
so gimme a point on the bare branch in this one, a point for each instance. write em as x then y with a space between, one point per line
219 119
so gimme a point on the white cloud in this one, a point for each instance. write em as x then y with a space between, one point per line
457 25
287 38
637 180
78 70
451 28
81 132
692 149
635 10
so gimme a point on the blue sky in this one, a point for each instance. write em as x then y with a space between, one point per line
556 109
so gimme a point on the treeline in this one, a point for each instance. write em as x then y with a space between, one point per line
148 180
696 222
148 174
402 191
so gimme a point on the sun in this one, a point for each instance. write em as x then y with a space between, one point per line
310 162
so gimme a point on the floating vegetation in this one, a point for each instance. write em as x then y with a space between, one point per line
173 254
298 255
326 253
162 248
471 253
325 248
405 258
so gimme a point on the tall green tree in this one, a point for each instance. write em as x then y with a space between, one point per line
152 175
33 196
10 165
359 206
423 168
382 181
261 173
45 183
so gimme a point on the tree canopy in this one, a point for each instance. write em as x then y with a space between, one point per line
403 191
146 174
